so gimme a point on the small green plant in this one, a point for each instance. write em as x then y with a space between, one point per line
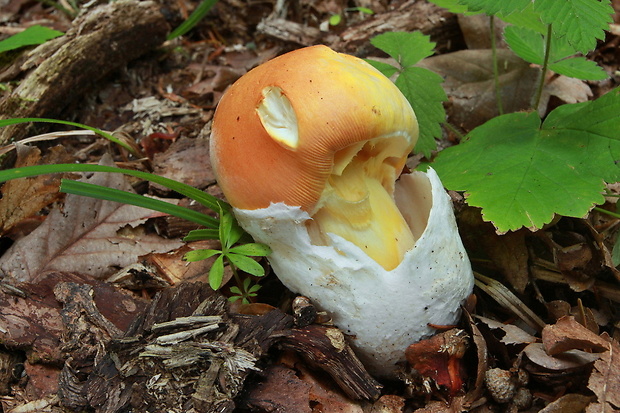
199 13
32 36
519 168
238 257
225 229
335 19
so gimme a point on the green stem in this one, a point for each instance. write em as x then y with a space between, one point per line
244 293
498 94
604 211
454 130
545 67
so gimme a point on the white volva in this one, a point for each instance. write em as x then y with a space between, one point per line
383 311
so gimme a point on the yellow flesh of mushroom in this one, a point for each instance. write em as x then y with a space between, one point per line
358 200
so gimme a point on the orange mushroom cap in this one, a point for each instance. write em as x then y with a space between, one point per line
338 101
323 131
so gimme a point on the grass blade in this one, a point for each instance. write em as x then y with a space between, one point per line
199 196
15 121
124 197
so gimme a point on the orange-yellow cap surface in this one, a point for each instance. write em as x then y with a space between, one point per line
277 130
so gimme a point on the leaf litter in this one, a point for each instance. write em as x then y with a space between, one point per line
499 340
87 235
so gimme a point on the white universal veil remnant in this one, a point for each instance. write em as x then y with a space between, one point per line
309 148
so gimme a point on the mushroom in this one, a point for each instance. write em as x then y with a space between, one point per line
308 148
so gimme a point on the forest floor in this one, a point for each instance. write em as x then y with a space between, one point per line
98 311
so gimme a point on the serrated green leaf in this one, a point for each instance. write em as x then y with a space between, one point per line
34 35
581 22
453 6
528 18
246 264
423 90
421 87
527 44
385 68
521 173
404 47
530 46
580 68
198 255
216 273
252 249
505 7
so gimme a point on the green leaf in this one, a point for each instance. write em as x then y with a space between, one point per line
453 6
421 87
521 172
580 68
530 46
505 7
235 290
202 234
216 273
335 20
528 18
404 47
33 35
387 69
423 90
246 264
581 22
253 249
198 14
199 255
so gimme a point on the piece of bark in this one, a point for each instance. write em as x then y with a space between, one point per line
185 350
99 42
326 348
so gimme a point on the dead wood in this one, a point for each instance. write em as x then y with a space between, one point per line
326 348
99 42
185 353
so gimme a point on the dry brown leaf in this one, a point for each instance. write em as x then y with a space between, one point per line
88 236
513 334
569 403
604 380
187 161
568 361
470 85
286 391
567 334
24 198
508 252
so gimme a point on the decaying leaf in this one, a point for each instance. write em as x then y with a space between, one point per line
85 237
604 380
567 334
285 390
569 403
24 198
512 333
470 86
